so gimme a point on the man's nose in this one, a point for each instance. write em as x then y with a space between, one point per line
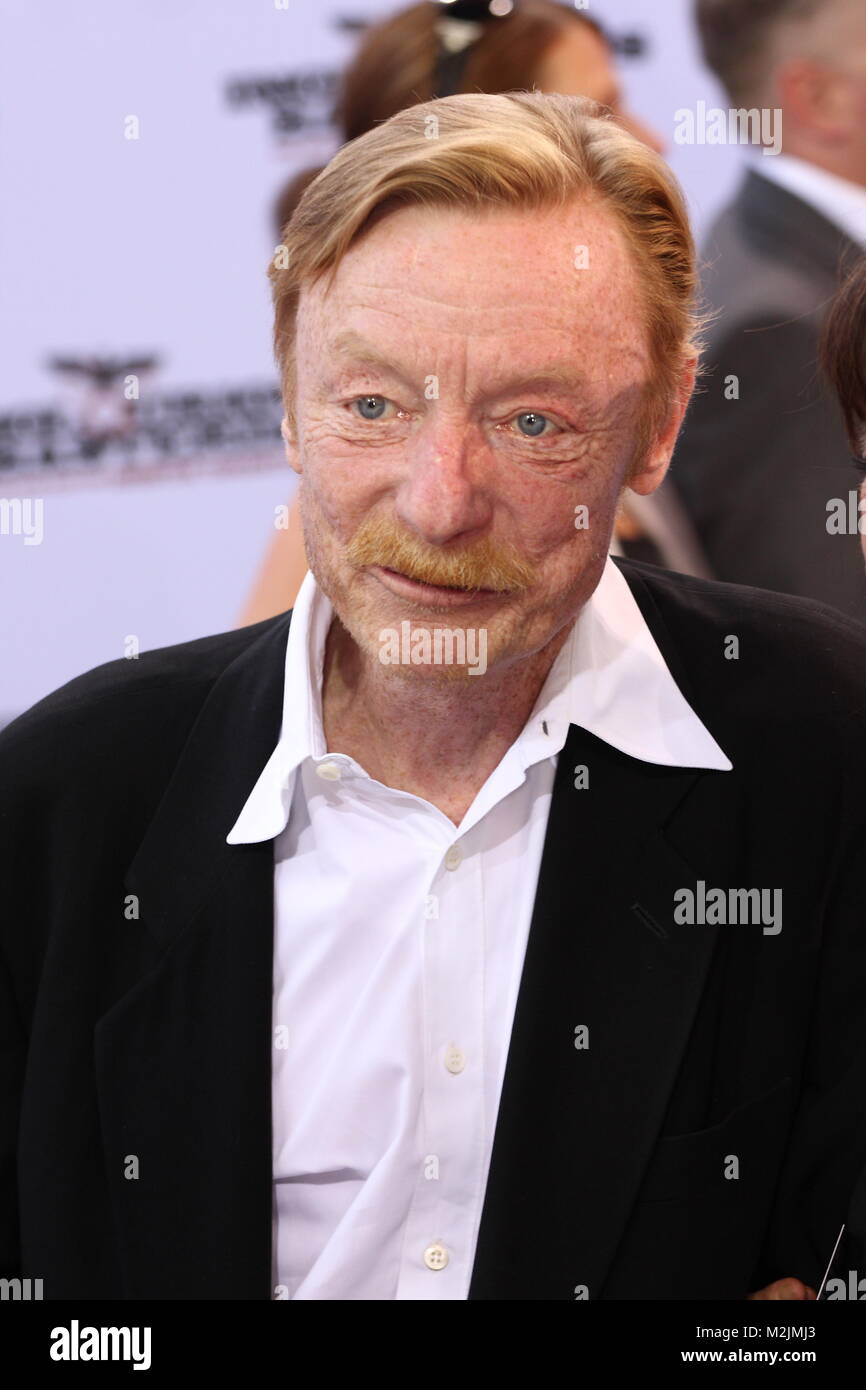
442 494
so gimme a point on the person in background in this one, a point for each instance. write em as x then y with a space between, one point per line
416 55
763 452
843 358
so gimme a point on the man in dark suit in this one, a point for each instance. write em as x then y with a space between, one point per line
763 461
334 968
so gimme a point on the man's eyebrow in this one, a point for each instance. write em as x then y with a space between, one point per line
357 352
351 344
554 376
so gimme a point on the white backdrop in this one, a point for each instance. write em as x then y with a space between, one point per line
116 253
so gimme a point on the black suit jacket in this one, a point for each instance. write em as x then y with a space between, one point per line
755 474
136 1049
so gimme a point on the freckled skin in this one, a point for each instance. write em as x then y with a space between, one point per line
481 304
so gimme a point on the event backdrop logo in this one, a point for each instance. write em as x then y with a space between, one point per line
117 426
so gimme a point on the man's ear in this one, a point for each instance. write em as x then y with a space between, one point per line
287 430
650 472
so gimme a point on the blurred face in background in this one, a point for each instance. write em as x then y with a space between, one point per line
818 77
579 63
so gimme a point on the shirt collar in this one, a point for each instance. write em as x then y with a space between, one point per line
609 677
839 200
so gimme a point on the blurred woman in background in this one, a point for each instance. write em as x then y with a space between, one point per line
436 49
843 357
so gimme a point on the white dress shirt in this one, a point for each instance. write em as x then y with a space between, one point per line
399 944
839 200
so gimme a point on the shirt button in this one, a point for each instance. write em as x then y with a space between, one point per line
455 1060
330 772
435 1257
454 857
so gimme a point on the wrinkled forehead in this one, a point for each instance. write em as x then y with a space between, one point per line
552 281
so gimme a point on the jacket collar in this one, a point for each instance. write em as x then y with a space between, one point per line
840 201
784 227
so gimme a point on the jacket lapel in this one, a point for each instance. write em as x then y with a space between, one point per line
183 1055
577 1124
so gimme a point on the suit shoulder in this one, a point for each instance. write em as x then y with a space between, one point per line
112 705
745 293
787 325
797 653
753 277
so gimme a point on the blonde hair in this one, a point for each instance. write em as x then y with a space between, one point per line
516 150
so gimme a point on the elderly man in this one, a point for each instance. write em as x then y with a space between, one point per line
491 925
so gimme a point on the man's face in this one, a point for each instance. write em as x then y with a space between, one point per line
467 395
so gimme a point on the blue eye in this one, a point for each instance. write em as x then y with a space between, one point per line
371 407
535 423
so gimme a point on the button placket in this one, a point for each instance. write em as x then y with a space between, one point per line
440 1224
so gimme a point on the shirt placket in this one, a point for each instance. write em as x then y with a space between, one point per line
437 1246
